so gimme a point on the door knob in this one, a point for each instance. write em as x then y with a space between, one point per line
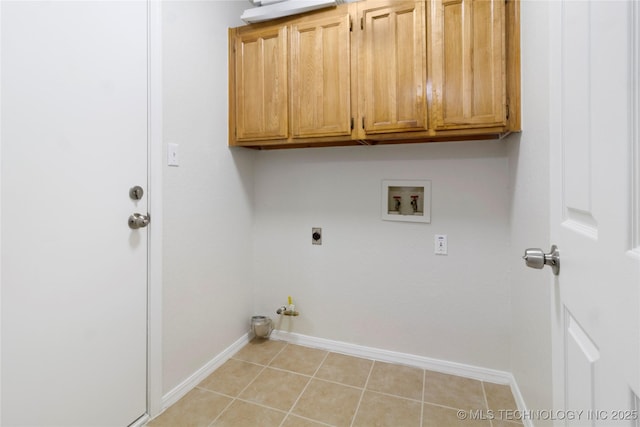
536 258
137 220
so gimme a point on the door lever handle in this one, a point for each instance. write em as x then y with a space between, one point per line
137 220
536 258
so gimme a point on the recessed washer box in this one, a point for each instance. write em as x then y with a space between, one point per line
406 200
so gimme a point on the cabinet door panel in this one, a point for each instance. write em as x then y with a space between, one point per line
468 63
320 77
261 84
393 66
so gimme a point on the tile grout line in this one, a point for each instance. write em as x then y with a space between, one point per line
486 401
424 386
305 388
364 388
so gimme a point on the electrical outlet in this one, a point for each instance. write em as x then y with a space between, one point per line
316 235
440 241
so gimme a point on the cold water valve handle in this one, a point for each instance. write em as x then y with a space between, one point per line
536 258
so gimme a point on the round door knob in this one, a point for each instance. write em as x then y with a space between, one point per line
536 258
137 220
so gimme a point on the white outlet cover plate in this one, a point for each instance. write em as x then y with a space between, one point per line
440 244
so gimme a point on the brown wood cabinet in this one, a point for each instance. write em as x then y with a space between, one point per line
392 66
467 63
376 72
321 77
259 89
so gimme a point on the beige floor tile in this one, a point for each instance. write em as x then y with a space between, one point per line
329 403
398 380
499 397
296 358
294 421
242 414
436 416
345 369
198 408
232 377
453 391
381 410
260 351
276 389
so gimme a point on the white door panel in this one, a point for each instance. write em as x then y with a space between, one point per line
74 140
592 141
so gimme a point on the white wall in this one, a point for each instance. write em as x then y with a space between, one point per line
529 212
378 283
207 199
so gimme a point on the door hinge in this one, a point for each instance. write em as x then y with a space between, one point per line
362 122
351 123
350 25
362 23
507 106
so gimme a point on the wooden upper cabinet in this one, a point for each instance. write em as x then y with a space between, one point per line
392 67
467 64
261 84
376 72
321 76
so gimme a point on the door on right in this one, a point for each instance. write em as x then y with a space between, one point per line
595 210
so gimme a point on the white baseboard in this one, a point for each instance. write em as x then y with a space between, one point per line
443 366
196 378
452 368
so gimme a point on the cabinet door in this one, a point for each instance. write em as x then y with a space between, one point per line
320 77
393 66
467 63
261 84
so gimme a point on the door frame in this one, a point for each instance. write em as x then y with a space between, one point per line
154 191
155 167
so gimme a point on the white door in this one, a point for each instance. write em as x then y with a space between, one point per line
74 275
594 200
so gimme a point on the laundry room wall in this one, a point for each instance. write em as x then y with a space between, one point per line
207 295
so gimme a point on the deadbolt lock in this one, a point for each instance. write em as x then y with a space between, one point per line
136 192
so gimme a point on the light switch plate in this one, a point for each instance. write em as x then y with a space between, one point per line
172 155
440 241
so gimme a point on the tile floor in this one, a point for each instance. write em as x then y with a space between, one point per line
272 383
